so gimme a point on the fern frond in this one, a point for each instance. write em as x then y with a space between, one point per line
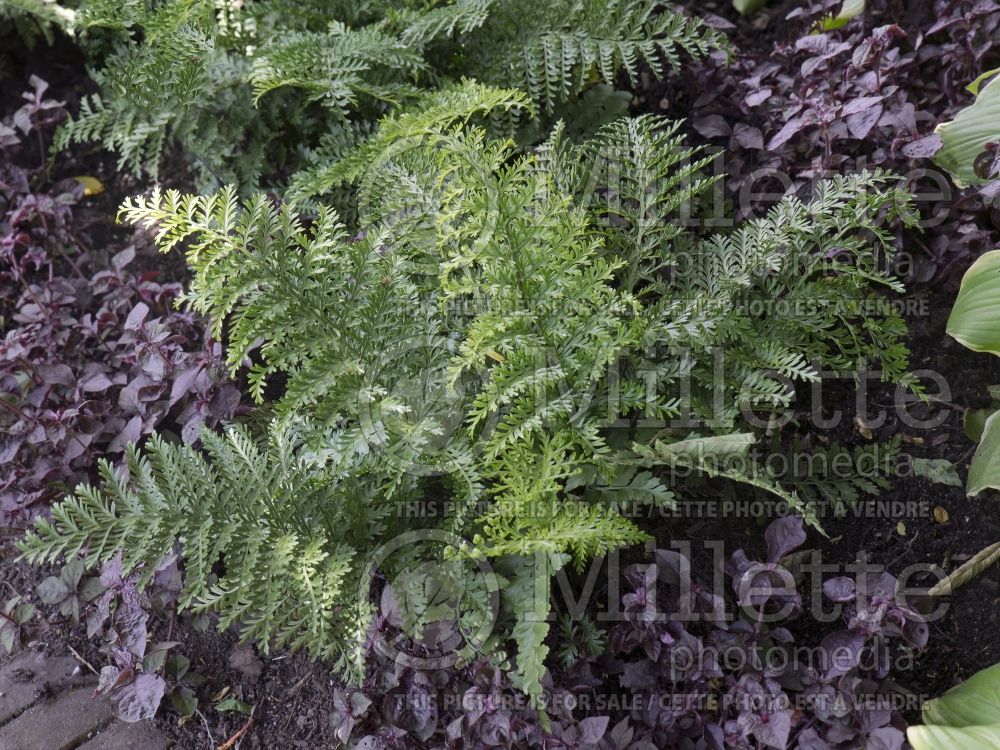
483 337
453 17
34 17
339 66
451 107
290 569
552 50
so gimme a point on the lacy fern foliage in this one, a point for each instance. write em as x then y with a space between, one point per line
498 328
37 18
290 537
233 84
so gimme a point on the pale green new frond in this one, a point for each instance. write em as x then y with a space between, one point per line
449 108
527 594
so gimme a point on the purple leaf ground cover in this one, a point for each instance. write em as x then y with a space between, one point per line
680 670
93 354
866 95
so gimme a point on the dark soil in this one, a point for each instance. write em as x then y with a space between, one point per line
898 529
967 638
292 697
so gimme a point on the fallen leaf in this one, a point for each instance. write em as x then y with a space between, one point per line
939 470
233 705
91 185
940 515
923 148
901 528
978 564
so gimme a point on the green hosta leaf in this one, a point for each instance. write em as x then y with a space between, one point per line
975 318
953 738
976 702
939 470
974 422
966 136
965 718
974 87
851 9
985 469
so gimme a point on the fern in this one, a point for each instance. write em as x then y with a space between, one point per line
553 50
290 537
232 84
527 594
724 456
645 175
488 333
339 66
453 107
840 476
34 18
137 139
579 639
458 17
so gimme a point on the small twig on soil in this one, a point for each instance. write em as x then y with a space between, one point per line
906 551
235 739
208 730
933 399
290 693
83 661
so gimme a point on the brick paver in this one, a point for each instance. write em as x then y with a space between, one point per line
47 704
122 736
27 674
58 723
